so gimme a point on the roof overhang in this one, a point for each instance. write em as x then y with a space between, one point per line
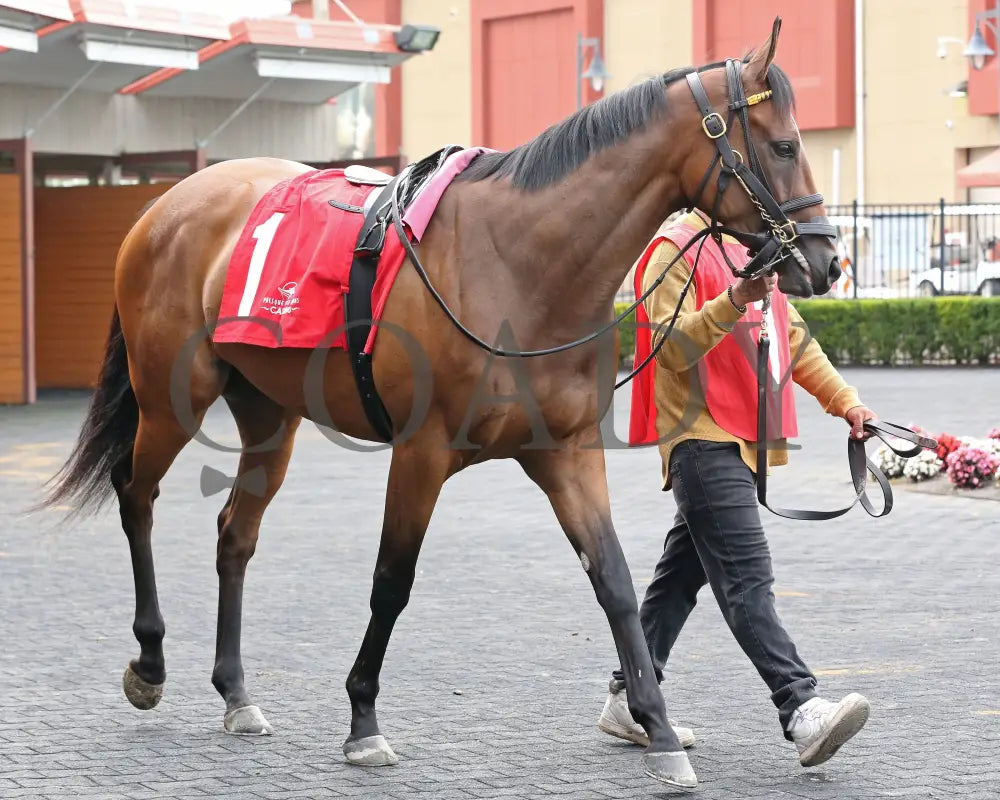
123 46
127 41
984 171
20 22
301 60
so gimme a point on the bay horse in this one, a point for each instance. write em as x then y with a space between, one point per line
536 242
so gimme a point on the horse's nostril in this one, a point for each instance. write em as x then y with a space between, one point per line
834 269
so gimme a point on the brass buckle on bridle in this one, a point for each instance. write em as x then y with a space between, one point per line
704 125
786 233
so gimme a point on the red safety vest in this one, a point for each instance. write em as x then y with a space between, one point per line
728 372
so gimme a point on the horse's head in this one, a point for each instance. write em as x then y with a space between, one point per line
758 182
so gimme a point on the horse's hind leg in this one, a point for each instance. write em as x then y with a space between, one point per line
158 440
416 476
267 432
575 482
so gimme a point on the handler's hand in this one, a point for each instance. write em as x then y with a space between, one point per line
856 418
746 292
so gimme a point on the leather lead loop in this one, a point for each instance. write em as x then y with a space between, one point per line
861 466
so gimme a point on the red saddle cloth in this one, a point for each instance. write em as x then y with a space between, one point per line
290 269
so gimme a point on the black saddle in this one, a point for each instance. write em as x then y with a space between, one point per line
364 268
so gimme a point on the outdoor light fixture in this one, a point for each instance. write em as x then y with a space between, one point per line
942 51
977 51
17 39
416 38
596 73
960 89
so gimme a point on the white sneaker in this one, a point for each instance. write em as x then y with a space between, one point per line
819 727
617 720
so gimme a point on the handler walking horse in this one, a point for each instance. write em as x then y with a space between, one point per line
534 242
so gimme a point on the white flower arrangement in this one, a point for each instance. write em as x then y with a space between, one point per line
991 446
887 461
923 466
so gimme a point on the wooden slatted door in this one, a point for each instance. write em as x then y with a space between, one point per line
78 232
11 294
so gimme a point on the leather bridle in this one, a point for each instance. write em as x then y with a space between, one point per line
777 241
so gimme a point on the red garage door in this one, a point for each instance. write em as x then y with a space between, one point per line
524 65
529 65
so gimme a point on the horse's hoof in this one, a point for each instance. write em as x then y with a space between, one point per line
673 769
372 751
139 693
247 721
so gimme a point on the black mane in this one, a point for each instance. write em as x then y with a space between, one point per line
562 148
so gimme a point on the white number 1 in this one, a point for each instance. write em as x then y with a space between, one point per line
264 234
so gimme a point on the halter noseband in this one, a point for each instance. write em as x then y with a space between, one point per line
777 242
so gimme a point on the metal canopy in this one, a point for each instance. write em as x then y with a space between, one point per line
20 23
294 60
62 57
239 72
35 13
134 49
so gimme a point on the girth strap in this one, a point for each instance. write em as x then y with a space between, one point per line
358 308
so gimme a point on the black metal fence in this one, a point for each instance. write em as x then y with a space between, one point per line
911 250
918 249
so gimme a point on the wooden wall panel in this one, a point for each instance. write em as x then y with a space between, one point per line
11 316
77 235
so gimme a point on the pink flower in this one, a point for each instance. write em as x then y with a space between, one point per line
970 467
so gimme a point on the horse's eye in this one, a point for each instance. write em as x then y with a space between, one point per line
784 149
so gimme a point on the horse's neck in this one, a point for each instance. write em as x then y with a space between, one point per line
574 243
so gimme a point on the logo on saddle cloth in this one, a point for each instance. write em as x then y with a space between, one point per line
286 303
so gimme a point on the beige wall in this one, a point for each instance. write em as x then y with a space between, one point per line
819 148
644 38
437 86
911 149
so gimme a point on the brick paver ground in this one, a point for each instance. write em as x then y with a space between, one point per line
497 672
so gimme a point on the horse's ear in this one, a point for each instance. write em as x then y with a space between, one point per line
764 55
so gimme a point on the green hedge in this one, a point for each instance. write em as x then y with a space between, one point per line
626 337
962 330
923 330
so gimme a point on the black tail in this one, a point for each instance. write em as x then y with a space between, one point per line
107 438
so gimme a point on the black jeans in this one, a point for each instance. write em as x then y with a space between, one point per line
718 539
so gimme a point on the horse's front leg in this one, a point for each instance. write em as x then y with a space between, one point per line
575 482
416 475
